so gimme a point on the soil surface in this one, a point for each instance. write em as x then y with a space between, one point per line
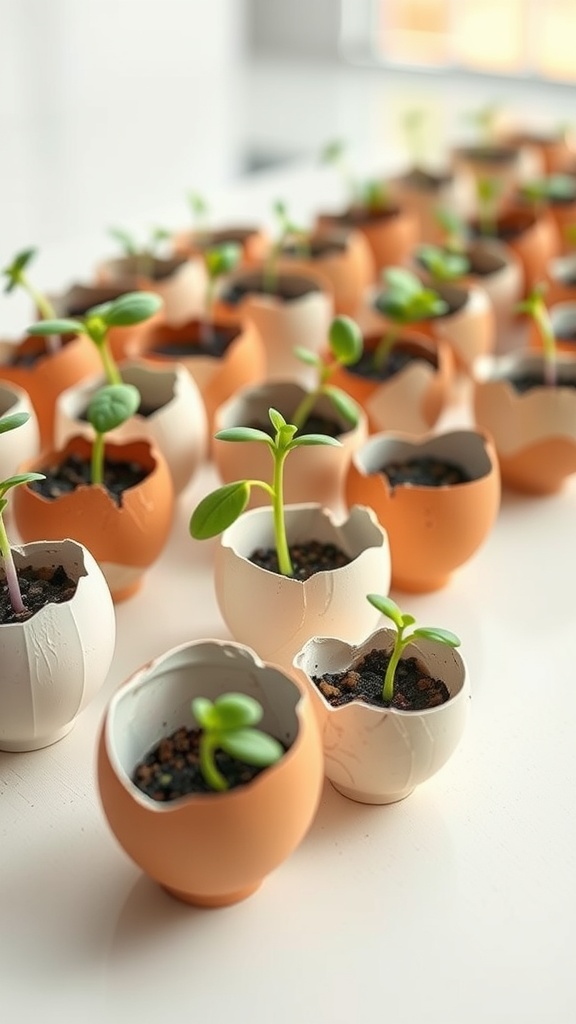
286 288
313 425
425 180
490 154
359 215
307 559
424 472
397 360
172 768
527 381
75 472
414 687
38 587
315 248
214 342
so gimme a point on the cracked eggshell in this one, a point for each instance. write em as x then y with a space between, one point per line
276 614
55 662
16 445
375 755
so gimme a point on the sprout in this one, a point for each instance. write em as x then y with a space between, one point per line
287 229
218 510
488 191
454 228
16 276
535 307
390 609
556 188
144 255
132 308
405 300
109 408
12 422
346 344
228 724
218 260
413 125
443 265
372 195
486 121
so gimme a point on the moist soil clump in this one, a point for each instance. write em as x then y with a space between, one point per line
307 559
286 288
214 342
74 472
425 472
39 587
414 687
172 768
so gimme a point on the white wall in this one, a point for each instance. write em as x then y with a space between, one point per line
294 27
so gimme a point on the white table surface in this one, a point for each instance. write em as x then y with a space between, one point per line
455 906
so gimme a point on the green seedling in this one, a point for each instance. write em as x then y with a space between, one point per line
455 231
17 277
345 343
390 609
218 510
17 419
132 308
570 235
556 188
218 260
109 408
405 300
536 309
228 724
486 121
286 231
199 210
371 195
443 265
413 126
144 256
488 192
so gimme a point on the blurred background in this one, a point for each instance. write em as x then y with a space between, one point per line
112 110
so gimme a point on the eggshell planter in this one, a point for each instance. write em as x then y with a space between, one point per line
79 298
49 375
534 433
252 241
177 426
432 530
125 539
209 849
282 324
424 193
534 240
276 614
391 235
314 474
345 260
54 663
413 399
217 377
375 755
179 281
16 446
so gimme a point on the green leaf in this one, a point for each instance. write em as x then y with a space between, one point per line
306 356
346 342
132 308
234 710
252 747
126 240
21 478
197 203
112 405
14 272
16 419
343 403
408 620
243 434
307 440
203 711
276 419
219 510
388 607
46 327
332 151
442 636
221 259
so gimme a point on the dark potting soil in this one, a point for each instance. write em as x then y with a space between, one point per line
313 425
414 687
507 228
316 248
425 180
397 360
235 235
172 768
39 587
490 154
75 472
536 380
359 215
213 342
286 288
424 471
35 349
307 559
